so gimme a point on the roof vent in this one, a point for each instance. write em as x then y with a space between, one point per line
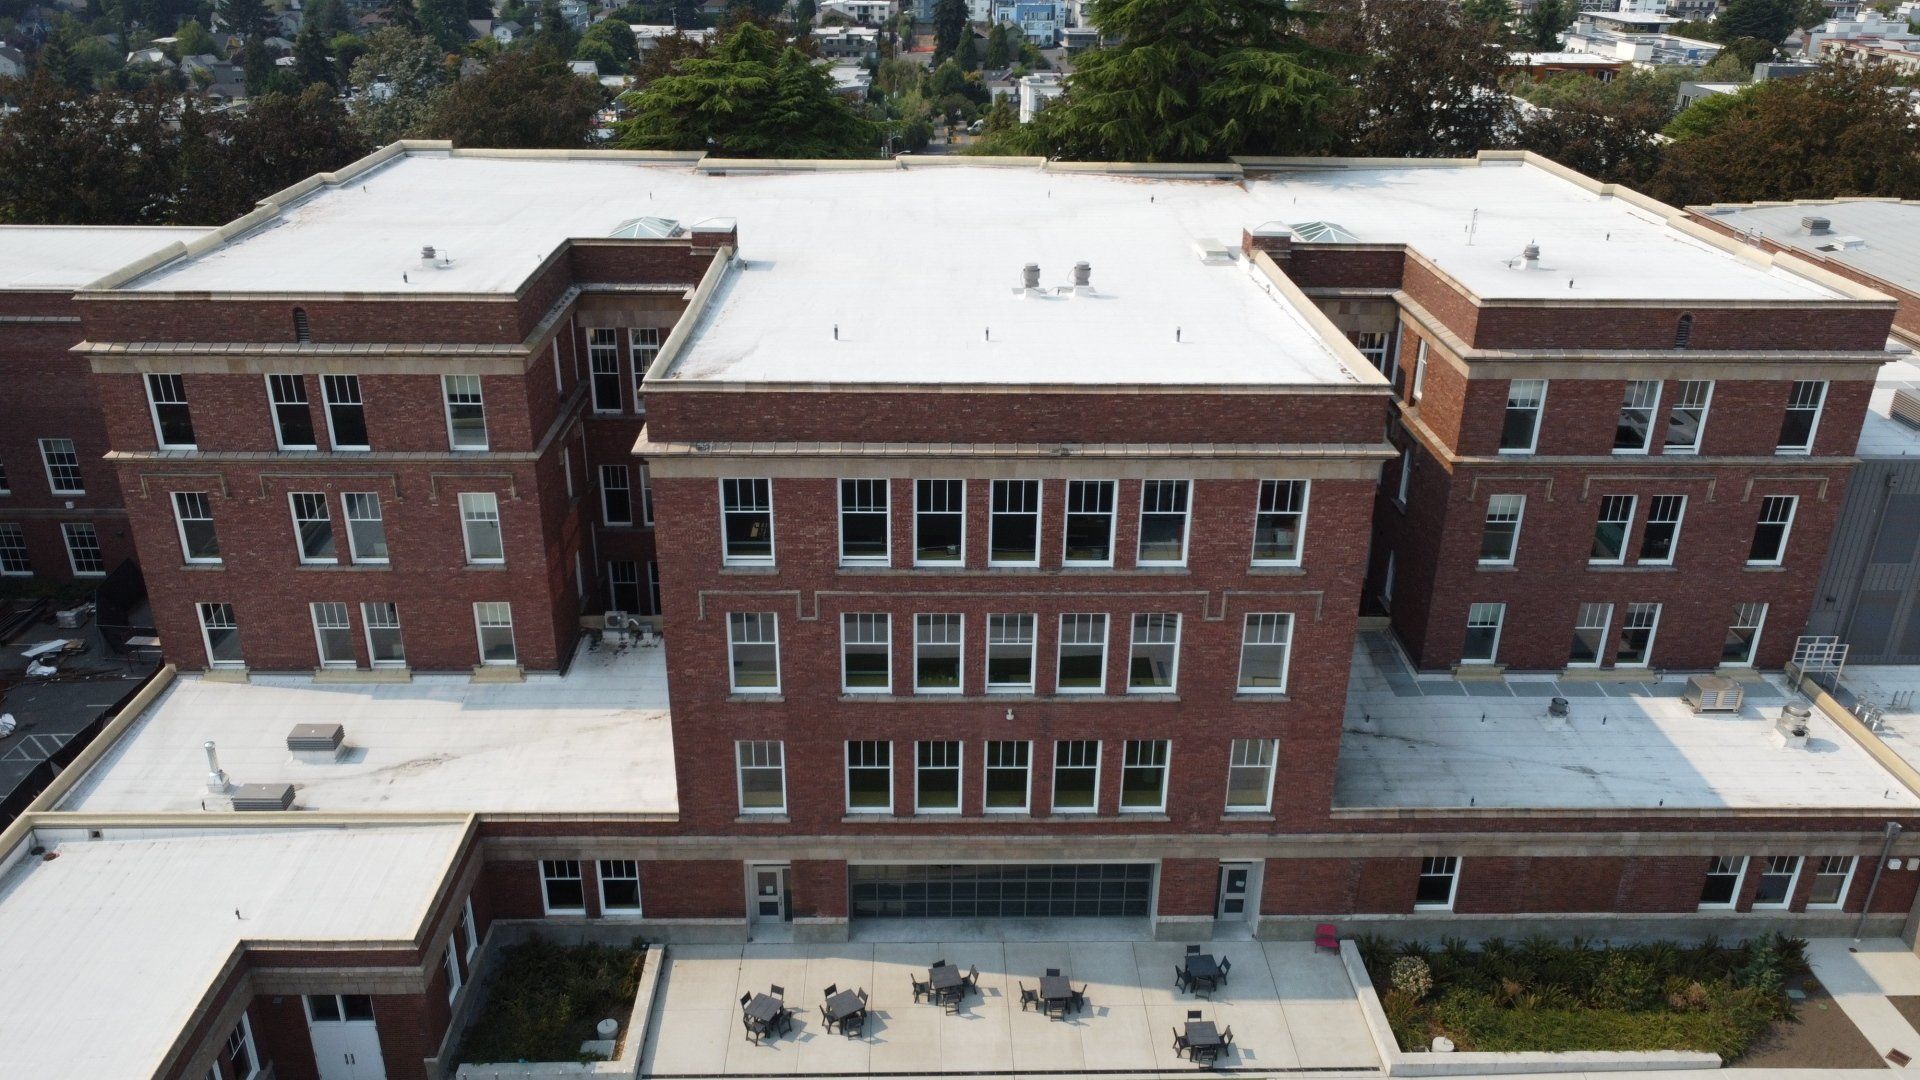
1030 276
263 797
1816 224
317 744
1906 406
1082 275
1212 252
1530 256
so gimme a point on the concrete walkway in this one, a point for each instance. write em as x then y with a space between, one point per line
1860 976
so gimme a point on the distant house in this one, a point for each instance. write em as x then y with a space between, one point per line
585 68
1545 65
1039 21
150 58
646 35
1038 89
848 42
505 30
13 63
858 12
851 81
199 62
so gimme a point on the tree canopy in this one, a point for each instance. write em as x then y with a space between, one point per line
1425 82
523 100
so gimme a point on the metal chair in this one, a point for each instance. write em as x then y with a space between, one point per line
754 1029
827 1018
921 990
942 962
1053 971
777 991
1181 980
1226 966
1028 996
863 995
1193 950
1193 1014
1079 998
746 1000
1180 1046
854 1025
1226 1037
832 989
785 1020
972 978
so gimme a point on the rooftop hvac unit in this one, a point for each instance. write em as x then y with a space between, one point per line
1906 406
263 797
1713 693
317 744
1816 224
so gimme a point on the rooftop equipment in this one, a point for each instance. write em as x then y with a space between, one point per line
1713 693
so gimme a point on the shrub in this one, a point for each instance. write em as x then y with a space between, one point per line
546 998
1413 977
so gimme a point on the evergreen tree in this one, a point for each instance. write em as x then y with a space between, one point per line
445 21
968 54
1498 13
526 99
1769 20
256 64
1427 80
247 18
556 34
998 54
1540 31
949 25
401 15
310 61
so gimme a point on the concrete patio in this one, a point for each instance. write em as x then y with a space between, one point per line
1290 1009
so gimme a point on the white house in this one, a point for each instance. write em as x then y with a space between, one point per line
1038 89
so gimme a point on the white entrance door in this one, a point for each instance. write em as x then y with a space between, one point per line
1236 888
346 1042
769 893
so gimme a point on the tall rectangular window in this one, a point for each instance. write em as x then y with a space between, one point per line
1590 627
1482 644
1013 527
1404 484
1373 344
1610 530
1802 420
480 525
603 360
616 498
1419 386
1280 523
936 777
366 527
865 525
939 522
623 585
13 550
193 514
63 467
1778 875
240 1050
1722 885
1687 415
746 517
384 645
1089 532
5 487
1662 535
562 890
1163 522
1831 876
1266 647
1143 776
313 526
83 549
1083 654
866 653
646 496
1008 768
1636 635
1743 635
1153 658
1439 880
1076 776
644 342
346 413
619 887
220 632
333 635
1250 774
1634 431
869 777
1500 537
172 420
1769 546
1520 430
936 653
493 626
753 652
292 416
762 776
1010 644
466 412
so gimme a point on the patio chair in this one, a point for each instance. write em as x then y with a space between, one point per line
1028 996
826 1018
1193 950
832 989
746 1000
1180 1046
1181 981
863 995
853 1025
1193 1014
921 990
1079 998
1226 966
785 1020
973 977
1053 971
754 1029
777 991
1325 937
1226 1037
942 962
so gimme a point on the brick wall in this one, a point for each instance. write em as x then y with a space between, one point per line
1188 887
819 887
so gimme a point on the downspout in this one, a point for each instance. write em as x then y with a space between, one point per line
1886 848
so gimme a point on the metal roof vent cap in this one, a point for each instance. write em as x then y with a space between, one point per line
1030 276
1817 225
1082 275
1530 256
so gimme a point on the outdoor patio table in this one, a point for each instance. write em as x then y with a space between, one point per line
764 1009
1202 968
945 977
844 1004
1054 990
1203 1038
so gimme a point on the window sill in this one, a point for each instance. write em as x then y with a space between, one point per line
1632 568
492 567
770 699
763 570
1764 568
763 819
1495 567
1276 571
1011 698
196 567
1266 698
1008 816
1246 815
362 567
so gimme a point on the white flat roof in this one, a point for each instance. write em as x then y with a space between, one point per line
1436 742
1880 434
1883 684
594 740
70 256
112 943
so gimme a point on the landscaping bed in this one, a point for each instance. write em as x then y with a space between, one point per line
1542 995
544 999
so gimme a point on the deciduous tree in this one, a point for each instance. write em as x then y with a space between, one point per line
395 82
524 100
1426 81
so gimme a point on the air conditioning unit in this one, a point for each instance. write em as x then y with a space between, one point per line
263 797
1906 406
618 626
1713 693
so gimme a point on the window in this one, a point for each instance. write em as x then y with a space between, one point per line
1010 654
452 967
292 417
469 934
865 527
1089 529
1802 420
193 513
1405 482
603 358
746 518
1743 635
346 413
172 421
1770 531
939 522
63 467
619 887
1501 535
1076 776
313 526
1687 416
1143 776
366 528
5 488
1013 528
1778 874
1634 431
1163 523
1419 371
333 635
384 646
1439 879
753 652
623 585
302 330
221 635
1266 645
1482 643
13 550
466 414
653 588
1373 345
1008 769
1832 874
1590 635
240 1051
83 549
936 654
1521 430
1683 332
1154 658
1722 886
763 777
644 341
1082 667
936 777
646 496
1250 774
869 777
1662 534
866 663
493 621
480 525
1280 523
343 1008
616 498
1636 635
1610 530
562 892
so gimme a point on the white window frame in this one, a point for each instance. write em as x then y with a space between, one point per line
329 608
1786 528
988 768
1275 630
1600 518
369 625
202 610
646 495
451 965
481 508
1134 642
847 773
1150 488
273 406
299 538
202 512
1739 880
466 384
52 448
1053 796
13 551
1539 407
755 623
1265 755
244 1029
1060 648
961 560
1503 510
762 760
1036 514
642 341
1681 399
639 899
154 403
1404 484
959 767
1846 882
364 500
625 485
1758 625
1164 765
1434 866
1477 615
745 502
1793 881
71 531
492 609
958 644
1642 397
1795 404
1638 616
863 620
1112 489
1581 621
1377 347
546 877
1282 504
469 930
1005 619
328 400
884 512
1419 371
1658 509
603 348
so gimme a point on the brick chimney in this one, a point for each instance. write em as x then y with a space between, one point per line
715 233
1274 238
